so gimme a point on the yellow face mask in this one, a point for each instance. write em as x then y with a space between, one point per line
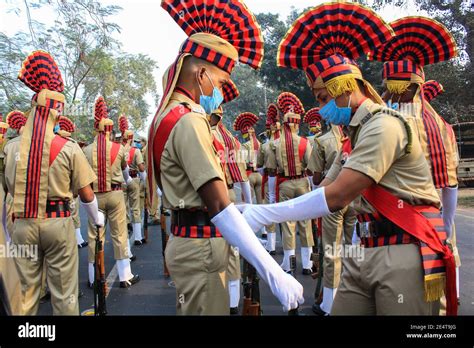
245 135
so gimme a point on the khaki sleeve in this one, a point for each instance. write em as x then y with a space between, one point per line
123 154
138 158
192 142
335 168
380 143
271 161
307 154
317 159
82 174
330 152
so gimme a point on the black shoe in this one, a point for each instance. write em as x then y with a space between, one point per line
273 252
90 285
318 311
133 258
234 311
307 271
153 222
137 242
166 213
83 245
144 241
130 282
80 294
264 236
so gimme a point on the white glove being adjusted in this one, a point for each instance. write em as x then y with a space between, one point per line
126 175
237 232
309 206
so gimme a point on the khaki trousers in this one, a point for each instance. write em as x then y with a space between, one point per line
198 269
288 190
387 281
112 204
132 200
74 206
56 243
233 268
335 227
255 180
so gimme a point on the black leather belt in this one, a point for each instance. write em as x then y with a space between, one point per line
185 217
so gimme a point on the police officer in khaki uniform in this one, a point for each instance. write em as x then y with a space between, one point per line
137 172
65 129
272 125
233 273
290 159
386 176
42 183
337 228
186 166
108 160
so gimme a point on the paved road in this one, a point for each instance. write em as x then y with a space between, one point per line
155 295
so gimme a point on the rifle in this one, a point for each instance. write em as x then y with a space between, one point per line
145 219
164 240
251 291
100 286
315 252
292 264
318 292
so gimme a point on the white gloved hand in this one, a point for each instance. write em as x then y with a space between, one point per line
126 175
236 232
272 189
92 209
311 205
142 176
449 198
158 191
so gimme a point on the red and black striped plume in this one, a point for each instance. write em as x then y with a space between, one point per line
245 121
344 29
230 20
312 117
431 89
420 40
288 103
16 120
66 124
123 123
40 71
231 91
272 115
100 111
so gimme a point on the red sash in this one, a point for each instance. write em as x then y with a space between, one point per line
114 150
411 221
302 148
57 145
264 181
131 153
162 134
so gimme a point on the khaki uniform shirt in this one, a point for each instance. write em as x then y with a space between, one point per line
120 161
69 172
189 159
379 152
275 158
136 161
325 150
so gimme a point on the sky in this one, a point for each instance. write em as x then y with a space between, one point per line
146 28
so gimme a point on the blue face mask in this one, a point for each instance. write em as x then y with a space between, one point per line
211 103
56 129
138 146
336 115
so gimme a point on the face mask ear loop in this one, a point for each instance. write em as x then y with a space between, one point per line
200 88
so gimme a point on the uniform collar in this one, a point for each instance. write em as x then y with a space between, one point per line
181 98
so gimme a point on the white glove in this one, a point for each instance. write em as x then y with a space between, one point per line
237 233
311 205
449 198
92 209
142 176
158 191
126 175
272 189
